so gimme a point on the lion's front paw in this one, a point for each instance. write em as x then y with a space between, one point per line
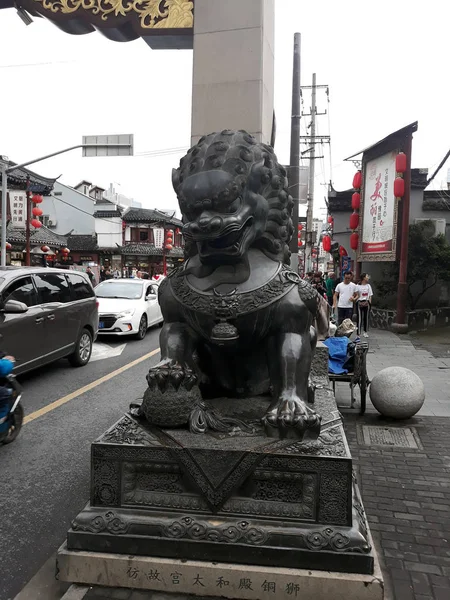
171 372
290 417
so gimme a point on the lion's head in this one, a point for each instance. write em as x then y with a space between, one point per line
233 195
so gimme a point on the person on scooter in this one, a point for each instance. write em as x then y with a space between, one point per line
6 367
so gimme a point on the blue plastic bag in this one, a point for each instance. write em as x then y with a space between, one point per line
337 354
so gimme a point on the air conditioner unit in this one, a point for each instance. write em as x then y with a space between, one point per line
439 225
51 223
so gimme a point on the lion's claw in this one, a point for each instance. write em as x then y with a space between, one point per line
173 374
291 417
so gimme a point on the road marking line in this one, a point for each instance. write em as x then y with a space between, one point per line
86 388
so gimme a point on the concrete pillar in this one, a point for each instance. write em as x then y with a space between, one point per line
233 75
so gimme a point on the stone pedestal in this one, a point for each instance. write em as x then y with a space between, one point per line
251 503
178 579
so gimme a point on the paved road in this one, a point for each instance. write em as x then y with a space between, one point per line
45 472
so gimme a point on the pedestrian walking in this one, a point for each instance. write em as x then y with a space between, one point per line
102 273
330 284
91 276
364 295
318 284
343 298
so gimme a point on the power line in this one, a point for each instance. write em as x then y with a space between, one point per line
163 151
38 64
81 210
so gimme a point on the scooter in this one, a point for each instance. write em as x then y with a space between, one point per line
15 414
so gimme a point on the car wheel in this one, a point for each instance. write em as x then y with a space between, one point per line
17 420
143 326
83 350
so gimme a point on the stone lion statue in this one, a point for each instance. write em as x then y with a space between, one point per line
238 322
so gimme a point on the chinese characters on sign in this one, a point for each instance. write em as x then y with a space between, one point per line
17 207
379 207
158 233
161 579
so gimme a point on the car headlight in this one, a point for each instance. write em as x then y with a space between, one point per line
126 313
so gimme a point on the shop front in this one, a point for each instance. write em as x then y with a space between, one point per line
150 260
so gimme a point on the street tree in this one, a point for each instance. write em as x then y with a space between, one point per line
428 263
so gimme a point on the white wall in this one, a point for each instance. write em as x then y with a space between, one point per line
70 210
109 232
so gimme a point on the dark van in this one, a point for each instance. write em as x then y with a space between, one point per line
46 314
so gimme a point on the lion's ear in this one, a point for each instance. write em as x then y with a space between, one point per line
255 176
175 179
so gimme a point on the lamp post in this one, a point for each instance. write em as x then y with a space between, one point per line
102 145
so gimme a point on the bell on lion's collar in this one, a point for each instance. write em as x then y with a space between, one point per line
224 334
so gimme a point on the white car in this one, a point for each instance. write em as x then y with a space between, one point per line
128 306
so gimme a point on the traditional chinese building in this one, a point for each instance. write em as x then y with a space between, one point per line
17 215
143 245
84 249
38 238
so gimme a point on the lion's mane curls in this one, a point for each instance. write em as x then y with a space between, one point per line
253 165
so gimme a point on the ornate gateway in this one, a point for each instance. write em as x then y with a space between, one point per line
163 24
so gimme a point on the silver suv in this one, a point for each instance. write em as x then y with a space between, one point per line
47 314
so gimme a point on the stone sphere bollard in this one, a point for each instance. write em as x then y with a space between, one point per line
397 392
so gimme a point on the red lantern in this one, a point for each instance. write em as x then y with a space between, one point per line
357 178
326 243
400 162
37 212
169 246
300 226
342 251
330 219
8 246
354 240
399 187
65 251
356 201
177 231
45 249
36 223
300 243
354 221
37 199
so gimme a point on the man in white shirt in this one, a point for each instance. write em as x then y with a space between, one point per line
344 296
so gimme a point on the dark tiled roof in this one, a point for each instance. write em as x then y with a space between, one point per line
436 200
17 178
107 214
145 215
148 250
37 236
340 201
85 243
419 178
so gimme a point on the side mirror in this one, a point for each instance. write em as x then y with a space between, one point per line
14 306
151 296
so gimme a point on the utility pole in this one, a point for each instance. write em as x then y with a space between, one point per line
294 161
312 139
312 158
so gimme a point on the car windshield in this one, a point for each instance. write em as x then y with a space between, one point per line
121 289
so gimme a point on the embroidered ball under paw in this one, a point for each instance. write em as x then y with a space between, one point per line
171 408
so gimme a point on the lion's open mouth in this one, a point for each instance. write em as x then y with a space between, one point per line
229 243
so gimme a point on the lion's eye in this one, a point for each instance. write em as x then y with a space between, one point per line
234 206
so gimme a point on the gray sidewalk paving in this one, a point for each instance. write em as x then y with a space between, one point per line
387 349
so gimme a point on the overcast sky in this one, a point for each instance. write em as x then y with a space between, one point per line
386 64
